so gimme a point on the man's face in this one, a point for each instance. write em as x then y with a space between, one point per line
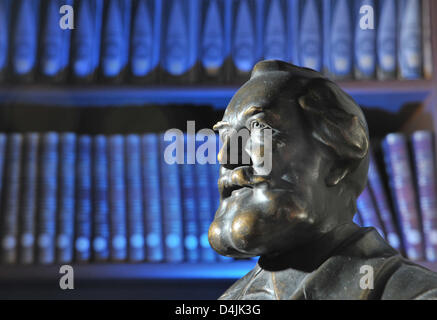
264 212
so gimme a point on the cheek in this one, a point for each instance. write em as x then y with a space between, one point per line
219 233
246 230
267 156
216 236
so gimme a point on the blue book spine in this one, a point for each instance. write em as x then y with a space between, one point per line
66 198
189 205
9 226
260 7
365 39
246 40
135 213
47 204
204 205
424 160
387 39
24 44
228 35
293 30
176 43
410 54
275 30
309 44
381 201
5 24
55 42
115 38
28 196
368 211
194 26
3 144
427 39
401 181
326 12
213 50
180 40
117 198
101 236
152 197
145 39
83 200
171 207
341 40
86 39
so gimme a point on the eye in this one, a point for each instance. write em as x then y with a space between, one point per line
256 125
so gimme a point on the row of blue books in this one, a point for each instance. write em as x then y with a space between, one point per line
80 198
406 215
198 41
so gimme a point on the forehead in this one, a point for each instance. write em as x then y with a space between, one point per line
273 92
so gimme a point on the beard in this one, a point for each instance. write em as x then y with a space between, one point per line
256 221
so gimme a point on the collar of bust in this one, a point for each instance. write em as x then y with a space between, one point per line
309 257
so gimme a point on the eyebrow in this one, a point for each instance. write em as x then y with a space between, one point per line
248 113
252 110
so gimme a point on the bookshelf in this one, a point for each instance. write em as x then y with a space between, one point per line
386 95
149 280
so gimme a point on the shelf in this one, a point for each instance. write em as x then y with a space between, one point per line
160 281
145 271
151 271
103 96
390 86
389 95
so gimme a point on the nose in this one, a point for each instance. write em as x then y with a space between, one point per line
233 155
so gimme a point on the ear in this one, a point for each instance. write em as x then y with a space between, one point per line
329 110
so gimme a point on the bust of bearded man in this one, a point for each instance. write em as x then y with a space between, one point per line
288 194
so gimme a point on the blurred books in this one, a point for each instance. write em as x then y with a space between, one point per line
93 198
80 198
409 220
211 41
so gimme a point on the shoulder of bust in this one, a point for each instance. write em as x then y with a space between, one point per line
411 281
237 289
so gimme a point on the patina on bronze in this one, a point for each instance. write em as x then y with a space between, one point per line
298 217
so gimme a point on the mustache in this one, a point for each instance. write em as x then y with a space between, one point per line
238 178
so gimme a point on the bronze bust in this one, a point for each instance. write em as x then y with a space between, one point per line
298 216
